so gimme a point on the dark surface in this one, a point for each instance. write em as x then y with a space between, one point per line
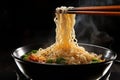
15 76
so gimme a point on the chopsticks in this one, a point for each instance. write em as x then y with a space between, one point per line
113 10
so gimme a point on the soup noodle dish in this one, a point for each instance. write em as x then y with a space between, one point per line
66 49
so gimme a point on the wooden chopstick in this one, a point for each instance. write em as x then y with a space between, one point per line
113 10
109 13
97 8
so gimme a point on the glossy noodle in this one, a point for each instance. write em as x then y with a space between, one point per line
65 50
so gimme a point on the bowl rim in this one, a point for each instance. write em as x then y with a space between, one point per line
105 62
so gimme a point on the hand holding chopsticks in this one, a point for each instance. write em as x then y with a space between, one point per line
113 10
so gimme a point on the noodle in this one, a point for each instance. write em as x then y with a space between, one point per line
66 45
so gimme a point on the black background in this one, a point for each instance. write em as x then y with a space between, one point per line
29 21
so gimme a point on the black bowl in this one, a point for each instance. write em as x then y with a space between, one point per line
37 71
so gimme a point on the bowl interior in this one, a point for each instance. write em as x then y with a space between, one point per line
107 54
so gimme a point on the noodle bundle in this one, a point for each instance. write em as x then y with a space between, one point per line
65 46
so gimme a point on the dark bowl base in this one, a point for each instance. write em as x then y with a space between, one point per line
20 76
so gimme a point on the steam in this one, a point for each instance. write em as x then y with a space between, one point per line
86 29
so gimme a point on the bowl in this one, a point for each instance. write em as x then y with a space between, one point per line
38 71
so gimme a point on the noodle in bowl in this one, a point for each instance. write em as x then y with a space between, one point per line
65 49
37 71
